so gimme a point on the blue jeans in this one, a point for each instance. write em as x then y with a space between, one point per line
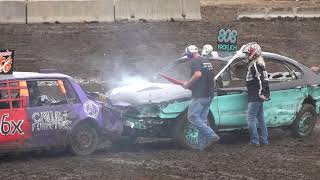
198 116
255 113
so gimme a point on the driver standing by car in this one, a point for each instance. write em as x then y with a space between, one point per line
258 92
201 85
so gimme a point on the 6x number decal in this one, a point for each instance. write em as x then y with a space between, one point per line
10 127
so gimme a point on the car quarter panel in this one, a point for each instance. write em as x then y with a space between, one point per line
15 128
314 93
283 106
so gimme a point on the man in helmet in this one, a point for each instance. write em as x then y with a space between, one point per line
201 85
258 92
207 50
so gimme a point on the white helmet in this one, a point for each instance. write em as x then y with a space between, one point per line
252 50
206 50
190 50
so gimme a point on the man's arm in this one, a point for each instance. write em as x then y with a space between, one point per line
196 76
315 69
264 91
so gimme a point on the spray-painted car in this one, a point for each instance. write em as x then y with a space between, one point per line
159 109
40 110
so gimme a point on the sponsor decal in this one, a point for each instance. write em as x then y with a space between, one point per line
50 120
6 61
207 66
91 109
227 40
10 127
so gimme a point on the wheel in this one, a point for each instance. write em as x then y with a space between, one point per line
84 140
305 121
186 134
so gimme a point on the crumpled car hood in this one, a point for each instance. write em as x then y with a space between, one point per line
146 94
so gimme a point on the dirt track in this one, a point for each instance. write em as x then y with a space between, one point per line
108 52
285 158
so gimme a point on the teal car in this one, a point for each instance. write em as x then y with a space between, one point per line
160 109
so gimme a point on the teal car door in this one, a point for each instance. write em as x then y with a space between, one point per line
232 98
232 106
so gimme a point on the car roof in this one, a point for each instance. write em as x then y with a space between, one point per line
32 75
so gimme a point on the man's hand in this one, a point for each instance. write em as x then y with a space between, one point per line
186 85
195 77
263 97
315 69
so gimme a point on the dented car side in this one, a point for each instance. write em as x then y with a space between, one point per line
295 102
51 110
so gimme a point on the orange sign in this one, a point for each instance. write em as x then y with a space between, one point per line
6 61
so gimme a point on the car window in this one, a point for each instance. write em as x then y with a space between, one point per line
234 76
71 94
10 95
279 71
181 71
297 71
4 97
44 93
15 95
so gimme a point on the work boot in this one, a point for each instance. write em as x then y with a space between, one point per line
211 141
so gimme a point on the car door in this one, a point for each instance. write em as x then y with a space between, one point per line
48 111
232 99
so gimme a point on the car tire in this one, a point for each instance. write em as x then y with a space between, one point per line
185 134
84 140
305 121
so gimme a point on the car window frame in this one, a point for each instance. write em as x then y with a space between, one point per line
286 64
73 89
228 68
10 99
46 79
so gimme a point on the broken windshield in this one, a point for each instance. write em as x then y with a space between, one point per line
180 68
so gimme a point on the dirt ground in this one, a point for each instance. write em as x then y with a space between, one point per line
109 52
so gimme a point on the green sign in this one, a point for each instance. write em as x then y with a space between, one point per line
227 40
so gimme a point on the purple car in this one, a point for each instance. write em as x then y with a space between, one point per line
40 110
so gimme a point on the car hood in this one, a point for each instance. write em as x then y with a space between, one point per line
146 94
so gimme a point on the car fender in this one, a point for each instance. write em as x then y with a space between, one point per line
173 110
88 120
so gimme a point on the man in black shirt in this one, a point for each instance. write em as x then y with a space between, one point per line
201 85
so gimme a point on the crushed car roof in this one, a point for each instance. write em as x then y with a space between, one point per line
31 75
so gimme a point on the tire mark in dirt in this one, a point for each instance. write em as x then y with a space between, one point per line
155 165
